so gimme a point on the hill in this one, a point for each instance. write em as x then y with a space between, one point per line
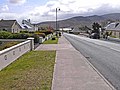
82 21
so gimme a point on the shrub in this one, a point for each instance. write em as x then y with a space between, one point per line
46 32
53 38
24 31
40 34
36 38
5 34
8 35
31 32
20 36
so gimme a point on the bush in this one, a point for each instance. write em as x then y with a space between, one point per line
8 35
36 38
31 32
53 38
24 31
40 34
20 36
46 32
5 34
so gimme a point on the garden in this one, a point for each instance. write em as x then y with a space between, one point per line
21 35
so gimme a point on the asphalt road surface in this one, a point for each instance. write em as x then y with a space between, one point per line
105 56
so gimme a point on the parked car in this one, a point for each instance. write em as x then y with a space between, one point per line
95 36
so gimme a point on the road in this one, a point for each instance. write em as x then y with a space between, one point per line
104 56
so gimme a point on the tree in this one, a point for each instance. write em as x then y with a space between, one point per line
96 27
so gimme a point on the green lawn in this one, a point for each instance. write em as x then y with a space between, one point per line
50 41
7 45
32 71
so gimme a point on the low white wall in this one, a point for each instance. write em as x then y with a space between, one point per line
41 39
9 55
114 39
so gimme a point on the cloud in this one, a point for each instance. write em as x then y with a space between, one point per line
8 16
68 8
18 2
4 8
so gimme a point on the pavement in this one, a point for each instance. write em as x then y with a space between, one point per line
72 71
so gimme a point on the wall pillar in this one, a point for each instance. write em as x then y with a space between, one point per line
31 43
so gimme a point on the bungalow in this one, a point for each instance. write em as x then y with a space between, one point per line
10 26
113 29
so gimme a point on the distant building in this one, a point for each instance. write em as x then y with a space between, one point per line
76 30
113 29
10 26
65 29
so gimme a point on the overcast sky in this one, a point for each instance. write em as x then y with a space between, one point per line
44 10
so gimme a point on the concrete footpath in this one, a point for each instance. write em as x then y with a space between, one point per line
72 71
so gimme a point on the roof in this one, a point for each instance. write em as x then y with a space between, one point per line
113 26
76 29
6 23
25 26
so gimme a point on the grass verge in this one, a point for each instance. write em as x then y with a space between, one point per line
32 71
50 41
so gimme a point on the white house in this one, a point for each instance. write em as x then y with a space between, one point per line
27 25
113 29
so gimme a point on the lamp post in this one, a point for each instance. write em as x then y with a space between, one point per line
57 9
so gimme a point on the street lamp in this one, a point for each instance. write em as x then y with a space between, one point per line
57 9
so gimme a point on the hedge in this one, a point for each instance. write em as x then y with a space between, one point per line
45 31
8 35
5 35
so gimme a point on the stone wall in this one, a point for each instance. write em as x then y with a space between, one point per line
9 55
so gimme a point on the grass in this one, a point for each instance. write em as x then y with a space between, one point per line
32 71
7 45
50 41
114 36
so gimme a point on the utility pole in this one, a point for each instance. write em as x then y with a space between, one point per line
57 9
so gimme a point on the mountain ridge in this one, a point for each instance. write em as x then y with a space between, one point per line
79 21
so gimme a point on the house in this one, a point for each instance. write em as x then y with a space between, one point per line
10 26
76 30
27 25
113 29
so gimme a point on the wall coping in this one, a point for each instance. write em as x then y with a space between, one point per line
13 47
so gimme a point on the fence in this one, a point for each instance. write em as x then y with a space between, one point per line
41 39
9 55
